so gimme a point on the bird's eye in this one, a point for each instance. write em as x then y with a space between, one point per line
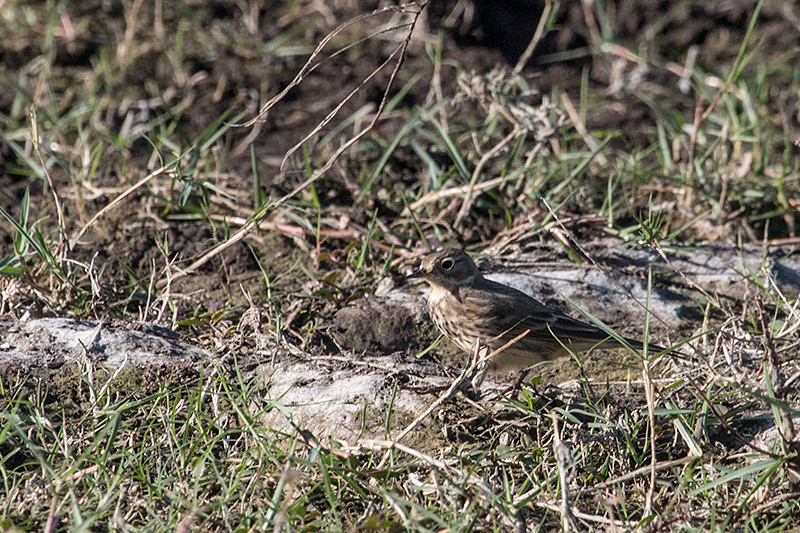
447 264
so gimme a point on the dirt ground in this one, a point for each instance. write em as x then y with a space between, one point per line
170 255
213 79
234 61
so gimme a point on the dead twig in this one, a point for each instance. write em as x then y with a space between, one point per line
452 191
563 459
309 68
650 398
537 36
62 231
114 203
468 197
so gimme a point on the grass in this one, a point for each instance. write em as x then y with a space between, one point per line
190 455
131 191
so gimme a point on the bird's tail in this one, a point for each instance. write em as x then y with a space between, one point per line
639 346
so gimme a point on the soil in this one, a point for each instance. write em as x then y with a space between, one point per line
283 271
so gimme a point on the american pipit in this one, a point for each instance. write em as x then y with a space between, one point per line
481 315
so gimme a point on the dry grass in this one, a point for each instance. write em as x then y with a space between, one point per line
131 189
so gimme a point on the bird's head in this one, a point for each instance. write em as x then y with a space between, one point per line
449 269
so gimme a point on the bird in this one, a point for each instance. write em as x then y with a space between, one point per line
481 316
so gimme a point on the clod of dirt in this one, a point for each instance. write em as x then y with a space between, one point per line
378 324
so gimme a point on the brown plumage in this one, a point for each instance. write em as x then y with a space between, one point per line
467 308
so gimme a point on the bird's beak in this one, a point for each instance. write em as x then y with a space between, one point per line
416 274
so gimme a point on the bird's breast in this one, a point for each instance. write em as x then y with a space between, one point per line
437 295
449 315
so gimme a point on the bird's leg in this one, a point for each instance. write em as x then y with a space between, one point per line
516 388
481 367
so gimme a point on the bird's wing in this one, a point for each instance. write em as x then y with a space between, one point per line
516 312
